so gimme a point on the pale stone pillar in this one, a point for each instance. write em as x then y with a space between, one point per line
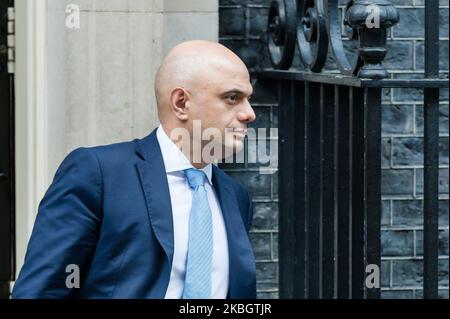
92 85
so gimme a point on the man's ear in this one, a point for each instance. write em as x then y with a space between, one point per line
178 99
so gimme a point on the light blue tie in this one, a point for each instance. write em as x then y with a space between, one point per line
197 283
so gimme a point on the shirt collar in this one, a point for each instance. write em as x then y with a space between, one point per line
174 159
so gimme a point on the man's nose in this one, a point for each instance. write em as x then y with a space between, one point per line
247 115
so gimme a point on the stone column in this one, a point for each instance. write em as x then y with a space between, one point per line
89 85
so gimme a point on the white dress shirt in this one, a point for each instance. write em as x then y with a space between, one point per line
181 199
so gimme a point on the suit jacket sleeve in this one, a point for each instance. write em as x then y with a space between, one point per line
66 228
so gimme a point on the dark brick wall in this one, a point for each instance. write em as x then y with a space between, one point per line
242 25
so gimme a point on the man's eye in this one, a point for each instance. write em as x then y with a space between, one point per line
232 98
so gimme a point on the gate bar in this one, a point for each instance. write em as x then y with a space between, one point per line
343 199
313 190
373 183
328 190
357 193
431 154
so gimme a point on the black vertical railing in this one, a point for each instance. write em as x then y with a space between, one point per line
313 163
287 199
357 191
299 225
431 153
328 189
343 190
372 188
330 145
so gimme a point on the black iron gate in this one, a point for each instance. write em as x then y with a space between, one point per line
6 147
330 145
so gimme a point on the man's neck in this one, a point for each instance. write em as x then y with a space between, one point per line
187 147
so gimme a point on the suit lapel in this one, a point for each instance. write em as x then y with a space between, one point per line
153 178
241 259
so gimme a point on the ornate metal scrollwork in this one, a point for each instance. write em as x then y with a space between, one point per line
318 23
344 64
312 35
282 33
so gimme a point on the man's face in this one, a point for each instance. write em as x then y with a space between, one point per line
221 101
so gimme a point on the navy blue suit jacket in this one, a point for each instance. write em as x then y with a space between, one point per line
108 211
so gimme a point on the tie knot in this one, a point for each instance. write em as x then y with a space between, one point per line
195 177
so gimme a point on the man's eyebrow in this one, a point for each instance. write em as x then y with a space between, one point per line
236 91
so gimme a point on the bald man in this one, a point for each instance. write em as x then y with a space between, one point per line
153 218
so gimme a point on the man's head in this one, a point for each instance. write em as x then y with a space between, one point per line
201 80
